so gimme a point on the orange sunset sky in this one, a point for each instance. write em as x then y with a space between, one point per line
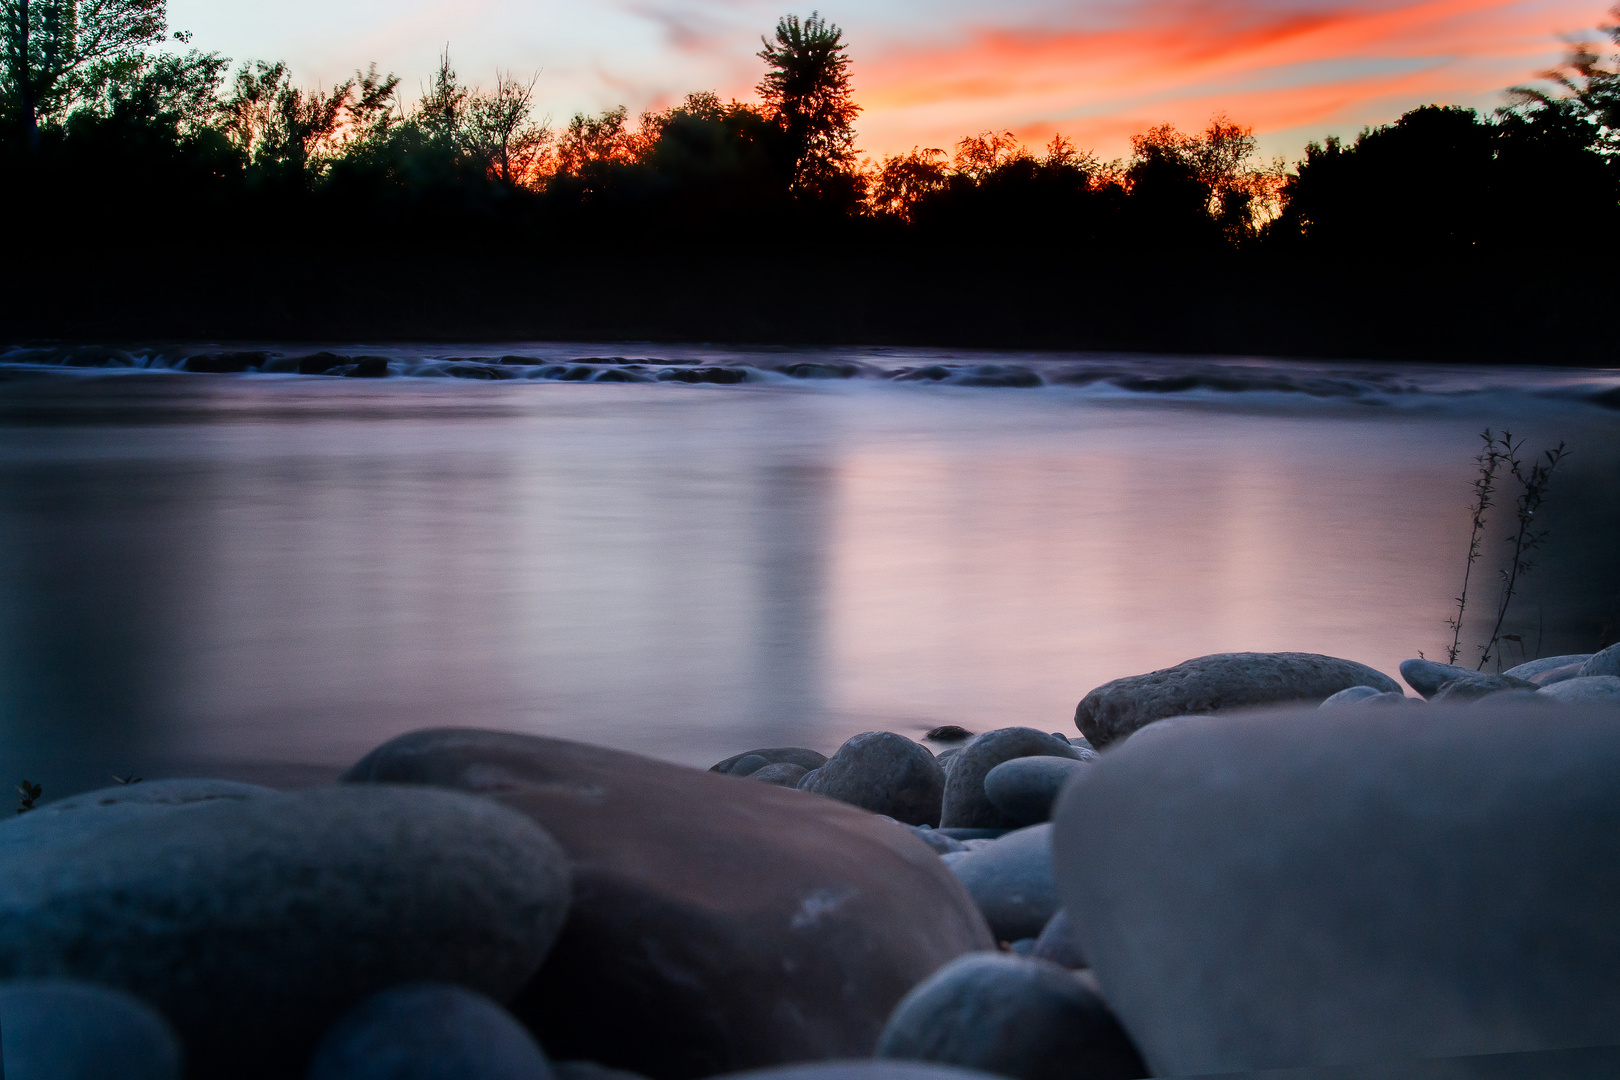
929 71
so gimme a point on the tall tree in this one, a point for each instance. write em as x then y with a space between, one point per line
51 48
806 87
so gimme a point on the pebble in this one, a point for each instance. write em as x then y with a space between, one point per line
428 1031
795 755
1606 662
1025 788
1588 689
1558 674
1014 1017
937 840
1011 881
885 773
859 1069
966 805
1545 664
782 774
1224 682
1058 943
1477 686
56 1029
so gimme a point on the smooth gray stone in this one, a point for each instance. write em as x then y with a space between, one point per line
55 1029
1024 946
773 755
749 764
719 924
1012 1016
590 1070
1059 944
1558 674
886 774
1587 690
1011 881
1223 682
937 840
951 858
1082 742
944 757
1606 662
966 805
253 923
859 1069
1545 664
1477 686
1360 889
1025 788
782 774
1349 696
428 1031
965 835
1427 677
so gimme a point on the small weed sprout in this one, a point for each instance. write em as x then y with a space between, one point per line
28 795
1534 481
1489 460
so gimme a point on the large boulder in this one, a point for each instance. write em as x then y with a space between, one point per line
1011 881
966 805
1305 889
1221 683
428 1031
252 921
885 773
56 1029
717 923
1606 662
1025 788
1026 1019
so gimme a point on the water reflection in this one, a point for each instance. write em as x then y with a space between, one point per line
266 579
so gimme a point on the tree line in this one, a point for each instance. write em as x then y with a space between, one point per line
158 189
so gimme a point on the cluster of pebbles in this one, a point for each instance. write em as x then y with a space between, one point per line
1244 862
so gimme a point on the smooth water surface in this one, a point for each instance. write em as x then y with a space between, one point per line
266 575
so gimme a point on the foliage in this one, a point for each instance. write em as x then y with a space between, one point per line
1584 94
1534 477
27 795
1489 460
807 89
54 52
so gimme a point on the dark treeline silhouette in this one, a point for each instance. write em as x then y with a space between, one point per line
150 192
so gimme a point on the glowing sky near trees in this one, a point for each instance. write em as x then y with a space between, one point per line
930 72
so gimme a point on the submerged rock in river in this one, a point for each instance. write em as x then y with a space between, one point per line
1223 682
718 924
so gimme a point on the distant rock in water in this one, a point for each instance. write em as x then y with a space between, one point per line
223 363
722 924
1220 683
948 733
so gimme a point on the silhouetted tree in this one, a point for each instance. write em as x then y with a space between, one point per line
807 90
1585 94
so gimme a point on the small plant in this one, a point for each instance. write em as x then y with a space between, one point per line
28 795
1534 480
1489 461
130 779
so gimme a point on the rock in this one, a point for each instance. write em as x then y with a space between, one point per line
948 733
1365 697
1025 788
428 1031
782 774
965 835
1361 889
318 363
590 1070
1058 943
886 774
966 804
1558 674
1586 690
1476 686
54 1029
1427 677
1014 1017
864 1069
776 755
369 367
937 840
944 756
717 924
1082 743
749 764
1024 946
1011 881
1606 662
1220 683
1545 664
1347 696
252 923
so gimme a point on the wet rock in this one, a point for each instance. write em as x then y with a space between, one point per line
1476 686
428 1031
1366 890
782 774
1025 788
1545 664
1059 944
1606 662
1586 690
948 733
56 1029
1014 1017
253 922
1427 677
368 367
318 363
222 363
886 774
775 755
704 375
937 840
966 805
726 924
1219 683
1011 881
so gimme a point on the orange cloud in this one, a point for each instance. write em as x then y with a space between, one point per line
1281 71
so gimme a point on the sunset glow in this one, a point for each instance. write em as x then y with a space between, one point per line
927 74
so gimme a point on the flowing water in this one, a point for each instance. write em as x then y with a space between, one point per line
689 552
